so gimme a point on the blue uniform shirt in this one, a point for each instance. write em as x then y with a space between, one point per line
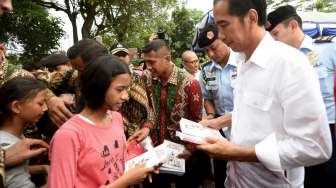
324 65
327 55
217 84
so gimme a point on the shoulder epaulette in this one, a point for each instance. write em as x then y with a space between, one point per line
205 64
203 70
324 39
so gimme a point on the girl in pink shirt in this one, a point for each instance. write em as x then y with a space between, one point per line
89 149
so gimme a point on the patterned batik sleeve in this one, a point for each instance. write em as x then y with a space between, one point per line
195 101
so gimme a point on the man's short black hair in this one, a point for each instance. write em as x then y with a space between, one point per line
155 45
283 14
75 50
87 50
97 77
241 7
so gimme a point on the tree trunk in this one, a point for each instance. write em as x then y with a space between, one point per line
87 25
89 19
74 28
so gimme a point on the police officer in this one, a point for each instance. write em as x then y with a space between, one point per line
285 25
217 82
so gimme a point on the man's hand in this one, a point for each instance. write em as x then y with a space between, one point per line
220 148
58 111
212 123
139 135
218 123
24 150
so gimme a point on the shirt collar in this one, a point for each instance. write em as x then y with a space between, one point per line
173 76
232 61
259 56
307 43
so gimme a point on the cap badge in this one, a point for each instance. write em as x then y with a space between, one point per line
210 35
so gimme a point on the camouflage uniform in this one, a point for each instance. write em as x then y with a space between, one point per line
10 71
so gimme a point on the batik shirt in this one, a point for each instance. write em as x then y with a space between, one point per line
10 71
180 97
136 111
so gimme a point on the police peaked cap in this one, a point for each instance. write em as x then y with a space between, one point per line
279 15
208 35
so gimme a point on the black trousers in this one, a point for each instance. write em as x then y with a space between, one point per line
323 175
219 172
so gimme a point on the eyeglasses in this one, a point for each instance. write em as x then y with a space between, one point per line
192 62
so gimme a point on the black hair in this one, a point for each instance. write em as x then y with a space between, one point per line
87 49
155 45
20 89
241 7
297 18
30 66
97 78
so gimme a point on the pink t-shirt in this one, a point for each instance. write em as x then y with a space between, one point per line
87 155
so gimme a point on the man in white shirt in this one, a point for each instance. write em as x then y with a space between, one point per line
285 25
279 122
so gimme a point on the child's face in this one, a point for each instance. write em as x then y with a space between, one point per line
32 109
117 93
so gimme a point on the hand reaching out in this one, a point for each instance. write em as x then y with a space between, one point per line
24 150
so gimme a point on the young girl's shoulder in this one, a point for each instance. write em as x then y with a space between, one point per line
116 117
71 127
7 139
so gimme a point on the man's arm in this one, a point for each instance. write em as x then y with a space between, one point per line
57 109
305 138
195 100
220 148
219 122
210 109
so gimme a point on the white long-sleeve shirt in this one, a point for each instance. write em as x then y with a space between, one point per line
278 109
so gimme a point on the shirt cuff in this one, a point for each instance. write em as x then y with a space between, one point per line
268 154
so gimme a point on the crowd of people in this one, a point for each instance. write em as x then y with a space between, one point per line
268 89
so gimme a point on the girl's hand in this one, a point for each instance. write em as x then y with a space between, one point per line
133 176
138 174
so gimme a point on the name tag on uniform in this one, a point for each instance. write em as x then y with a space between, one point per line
211 79
211 84
234 77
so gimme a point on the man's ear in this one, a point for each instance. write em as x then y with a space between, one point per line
15 107
252 16
168 57
293 24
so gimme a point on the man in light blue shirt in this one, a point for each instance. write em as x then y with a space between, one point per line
327 56
217 80
286 26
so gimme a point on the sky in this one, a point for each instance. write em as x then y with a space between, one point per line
66 41
204 5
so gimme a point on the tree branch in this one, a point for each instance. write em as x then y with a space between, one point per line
50 5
